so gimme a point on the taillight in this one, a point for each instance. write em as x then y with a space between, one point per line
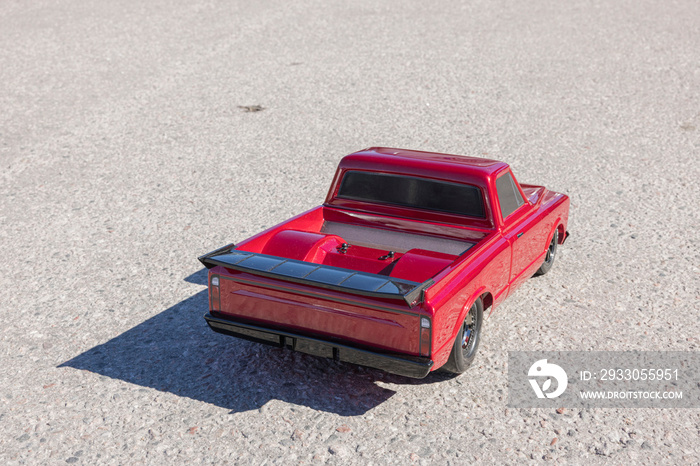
425 336
215 294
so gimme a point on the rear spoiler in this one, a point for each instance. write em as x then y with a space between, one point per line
323 276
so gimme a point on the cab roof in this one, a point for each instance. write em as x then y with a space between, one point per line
449 167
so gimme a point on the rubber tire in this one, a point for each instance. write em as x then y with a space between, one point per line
460 358
551 254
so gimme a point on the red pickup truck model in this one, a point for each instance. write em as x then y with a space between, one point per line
397 267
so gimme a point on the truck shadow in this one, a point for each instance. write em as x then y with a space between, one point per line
175 351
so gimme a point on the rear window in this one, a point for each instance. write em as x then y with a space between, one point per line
410 191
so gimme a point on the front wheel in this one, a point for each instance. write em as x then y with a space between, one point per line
549 257
467 340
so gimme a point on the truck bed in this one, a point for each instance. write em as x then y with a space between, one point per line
366 258
330 276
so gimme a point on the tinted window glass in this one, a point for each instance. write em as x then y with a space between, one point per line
409 191
508 195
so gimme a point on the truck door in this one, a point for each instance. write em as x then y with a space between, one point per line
517 228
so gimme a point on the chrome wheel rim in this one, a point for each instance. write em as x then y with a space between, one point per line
552 249
469 331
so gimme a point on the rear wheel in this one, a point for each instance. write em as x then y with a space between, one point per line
549 257
467 340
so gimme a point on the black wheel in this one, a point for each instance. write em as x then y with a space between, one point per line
549 257
467 340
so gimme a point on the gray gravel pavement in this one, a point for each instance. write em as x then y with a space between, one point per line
125 153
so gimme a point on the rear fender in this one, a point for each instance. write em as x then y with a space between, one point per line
557 222
463 314
441 354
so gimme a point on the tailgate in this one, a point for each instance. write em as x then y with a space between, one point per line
335 304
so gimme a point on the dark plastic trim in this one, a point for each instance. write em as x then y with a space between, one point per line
409 366
223 250
323 276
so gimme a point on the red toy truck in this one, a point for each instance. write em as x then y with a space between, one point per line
397 267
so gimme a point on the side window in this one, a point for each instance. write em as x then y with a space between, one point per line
508 195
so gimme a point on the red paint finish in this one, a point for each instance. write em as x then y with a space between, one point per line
301 245
319 313
466 258
420 265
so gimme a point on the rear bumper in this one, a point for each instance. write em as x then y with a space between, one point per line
416 367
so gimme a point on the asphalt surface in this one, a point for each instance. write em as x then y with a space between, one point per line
127 150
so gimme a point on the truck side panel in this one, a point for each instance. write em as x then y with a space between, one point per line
485 271
488 271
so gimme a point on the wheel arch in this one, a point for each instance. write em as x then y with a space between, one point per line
468 305
487 301
557 228
562 232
